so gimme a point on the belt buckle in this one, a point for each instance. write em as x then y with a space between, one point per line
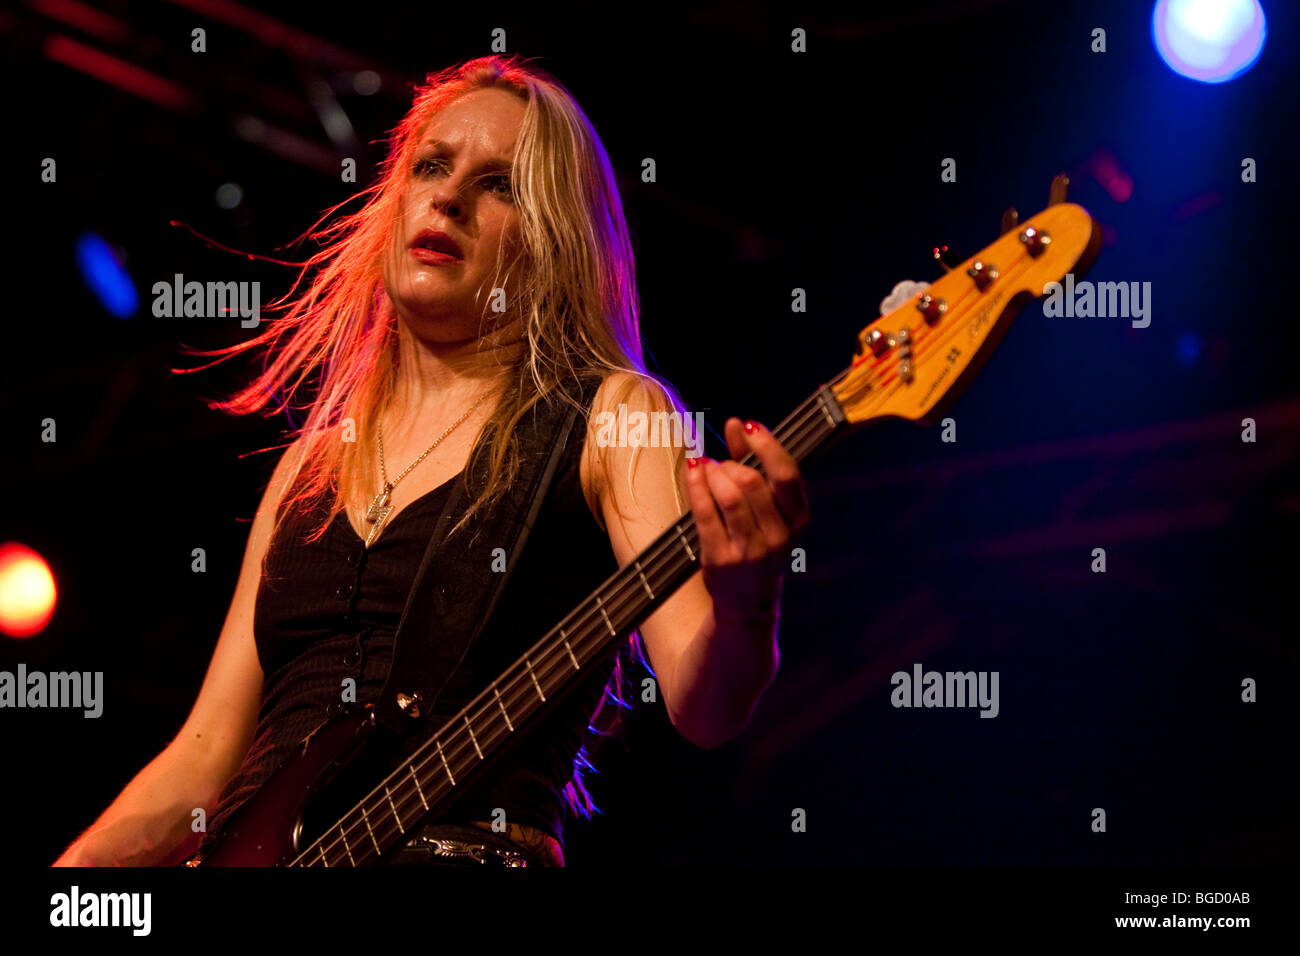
462 850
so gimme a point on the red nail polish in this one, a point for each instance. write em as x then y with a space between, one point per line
751 426
692 462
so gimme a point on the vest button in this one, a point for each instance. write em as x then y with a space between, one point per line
333 708
351 657
353 558
344 592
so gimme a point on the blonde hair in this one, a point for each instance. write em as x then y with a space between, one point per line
578 303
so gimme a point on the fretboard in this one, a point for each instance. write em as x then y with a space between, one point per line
432 775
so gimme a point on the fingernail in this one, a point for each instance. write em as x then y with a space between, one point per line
752 426
692 462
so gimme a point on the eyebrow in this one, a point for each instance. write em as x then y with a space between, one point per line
493 165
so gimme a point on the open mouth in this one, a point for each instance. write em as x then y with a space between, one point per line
436 247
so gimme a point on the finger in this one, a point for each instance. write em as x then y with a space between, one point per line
768 520
733 504
713 533
782 472
734 432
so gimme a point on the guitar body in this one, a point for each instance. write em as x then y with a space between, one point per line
313 786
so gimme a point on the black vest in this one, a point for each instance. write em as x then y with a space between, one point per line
312 632
483 624
462 578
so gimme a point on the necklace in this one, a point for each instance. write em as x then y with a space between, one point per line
382 504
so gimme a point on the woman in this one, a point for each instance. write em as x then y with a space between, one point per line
488 275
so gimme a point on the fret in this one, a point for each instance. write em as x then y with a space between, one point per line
396 816
473 739
613 631
323 858
344 837
418 789
529 665
649 593
821 403
504 713
444 763
570 650
366 817
685 544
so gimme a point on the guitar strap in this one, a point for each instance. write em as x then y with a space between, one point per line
459 583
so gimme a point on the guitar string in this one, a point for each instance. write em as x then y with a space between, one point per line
550 656
550 659
810 407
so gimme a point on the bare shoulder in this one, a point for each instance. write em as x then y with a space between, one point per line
285 473
626 431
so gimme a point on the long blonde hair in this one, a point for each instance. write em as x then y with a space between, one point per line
578 303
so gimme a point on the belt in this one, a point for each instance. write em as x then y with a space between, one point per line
518 846
531 838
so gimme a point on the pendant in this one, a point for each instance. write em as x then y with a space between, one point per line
378 511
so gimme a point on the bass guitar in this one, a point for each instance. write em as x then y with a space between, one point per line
910 364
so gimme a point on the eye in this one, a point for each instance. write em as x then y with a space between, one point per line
500 186
427 165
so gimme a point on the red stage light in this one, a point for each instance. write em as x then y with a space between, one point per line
27 591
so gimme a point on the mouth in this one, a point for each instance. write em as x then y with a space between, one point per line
436 248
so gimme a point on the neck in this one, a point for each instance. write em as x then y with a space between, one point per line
434 378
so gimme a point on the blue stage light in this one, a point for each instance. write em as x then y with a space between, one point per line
1189 348
105 276
1209 40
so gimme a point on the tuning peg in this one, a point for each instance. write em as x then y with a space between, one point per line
945 257
1060 186
1010 219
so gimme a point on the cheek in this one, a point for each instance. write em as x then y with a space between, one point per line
394 275
512 240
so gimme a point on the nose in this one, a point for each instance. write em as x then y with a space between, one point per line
447 199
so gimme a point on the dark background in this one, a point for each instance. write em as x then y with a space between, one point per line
775 170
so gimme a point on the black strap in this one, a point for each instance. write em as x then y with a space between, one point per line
447 608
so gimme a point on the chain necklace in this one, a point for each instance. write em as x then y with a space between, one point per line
382 504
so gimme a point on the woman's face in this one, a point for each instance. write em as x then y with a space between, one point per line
459 185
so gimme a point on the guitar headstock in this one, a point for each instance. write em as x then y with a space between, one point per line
914 361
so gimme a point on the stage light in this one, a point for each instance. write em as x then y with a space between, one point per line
366 82
104 275
27 591
1189 349
229 195
1209 40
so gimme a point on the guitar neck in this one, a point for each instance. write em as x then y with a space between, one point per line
433 773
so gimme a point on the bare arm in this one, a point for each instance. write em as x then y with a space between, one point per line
714 658
150 822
